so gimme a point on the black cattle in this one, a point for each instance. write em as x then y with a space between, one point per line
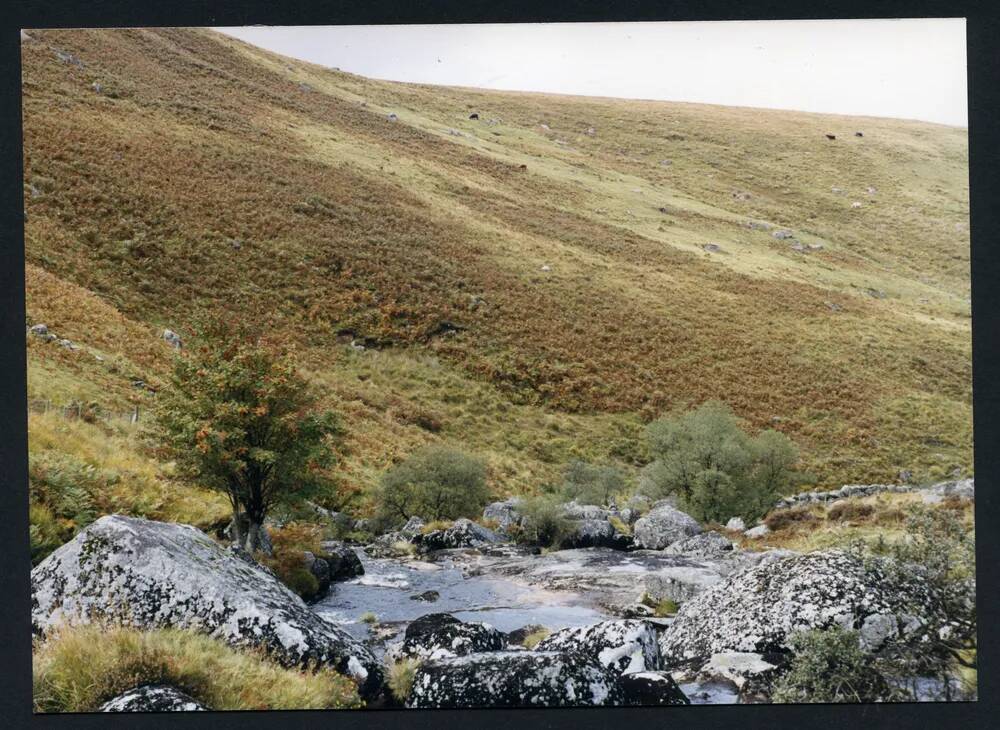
473 116
831 136
858 134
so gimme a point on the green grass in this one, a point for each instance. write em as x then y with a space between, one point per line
80 668
348 223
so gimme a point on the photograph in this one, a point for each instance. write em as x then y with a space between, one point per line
500 365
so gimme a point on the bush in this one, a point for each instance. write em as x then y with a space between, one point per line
784 518
830 666
287 559
588 484
544 522
399 678
436 483
850 511
80 668
715 469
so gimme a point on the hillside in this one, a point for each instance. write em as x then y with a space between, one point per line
532 285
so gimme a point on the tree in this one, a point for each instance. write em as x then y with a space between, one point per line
589 484
436 483
716 470
237 417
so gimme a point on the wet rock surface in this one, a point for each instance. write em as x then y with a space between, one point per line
441 635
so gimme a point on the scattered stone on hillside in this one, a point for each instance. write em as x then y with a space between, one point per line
392 117
68 344
875 293
711 247
962 490
783 234
797 246
544 126
97 87
758 226
814 246
833 306
546 267
148 574
736 524
759 609
622 646
708 544
591 131
651 689
504 514
755 533
463 533
442 636
173 339
39 329
837 191
856 204
514 679
476 301
742 195
153 698
663 525
666 163
871 190
305 87
905 475
68 58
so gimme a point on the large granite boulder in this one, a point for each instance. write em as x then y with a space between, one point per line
651 689
594 533
342 560
514 679
154 574
441 635
757 610
622 646
463 533
709 544
153 698
505 514
662 526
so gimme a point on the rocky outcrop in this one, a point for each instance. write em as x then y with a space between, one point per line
441 635
622 646
343 561
651 689
662 526
463 533
963 488
505 514
709 544
153 698
587 533
152 574
514 679
757 610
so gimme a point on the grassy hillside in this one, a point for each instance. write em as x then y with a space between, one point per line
532 285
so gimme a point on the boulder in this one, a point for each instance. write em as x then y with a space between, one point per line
663 525
514 679
753 675
679 583
148 574
709 544
651 689
463 533
736 524
755 533
390 545
441 635
413 526
622 646
758 609
320 570
505 514
172 338
39 329
152 698
964 489
594 533
343 560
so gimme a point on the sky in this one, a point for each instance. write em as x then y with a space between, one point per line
909 68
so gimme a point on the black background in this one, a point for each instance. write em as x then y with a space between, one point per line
983 20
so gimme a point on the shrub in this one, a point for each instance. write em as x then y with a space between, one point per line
845 511
532 640
287 559
715 469
588 484
662 608
785 518
436 483
80 668
369 618
399 678
830 666
544 522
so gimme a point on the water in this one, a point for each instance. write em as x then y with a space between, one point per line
386 588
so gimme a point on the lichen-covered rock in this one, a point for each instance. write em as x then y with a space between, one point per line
662 526
753 675
505 514
390 545
758 609
587 533
412 527
153 575
622 646
651 689
463 533
514 679
441 635
709 544
755 533
736 524
153 698
679 583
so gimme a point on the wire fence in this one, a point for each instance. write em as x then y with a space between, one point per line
83 411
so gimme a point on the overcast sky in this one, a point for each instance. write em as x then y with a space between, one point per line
912 69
